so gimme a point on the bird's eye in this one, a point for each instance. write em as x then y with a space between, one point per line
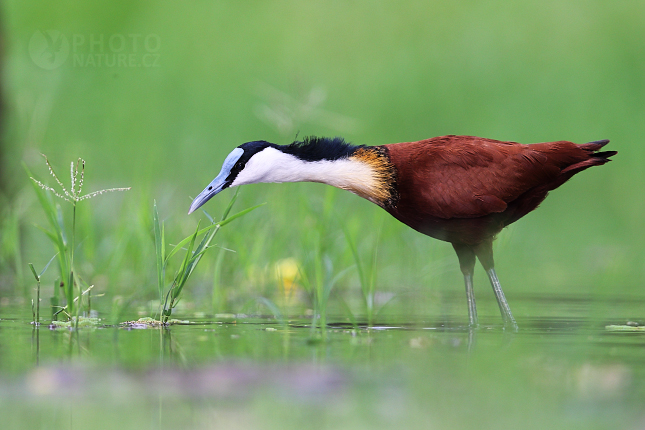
210 188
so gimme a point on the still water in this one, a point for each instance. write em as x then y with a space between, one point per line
240 372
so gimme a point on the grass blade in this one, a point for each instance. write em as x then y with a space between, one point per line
158 250
222 223
31 266
47 265
216 296
273 308
239 214
182 274
230 205
347 309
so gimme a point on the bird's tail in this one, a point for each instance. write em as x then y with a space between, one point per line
594 146
595 158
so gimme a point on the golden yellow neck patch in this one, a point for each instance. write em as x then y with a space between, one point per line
382 190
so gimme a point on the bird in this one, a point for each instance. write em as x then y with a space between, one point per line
460 189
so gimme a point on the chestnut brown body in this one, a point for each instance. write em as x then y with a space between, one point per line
465 189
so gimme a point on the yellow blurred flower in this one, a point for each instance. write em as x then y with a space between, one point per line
286 272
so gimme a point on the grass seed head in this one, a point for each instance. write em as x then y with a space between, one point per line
76 183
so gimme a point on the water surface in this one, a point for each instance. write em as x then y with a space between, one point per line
255 372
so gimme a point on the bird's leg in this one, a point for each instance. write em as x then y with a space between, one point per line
467 260
504 308
470 297
484 252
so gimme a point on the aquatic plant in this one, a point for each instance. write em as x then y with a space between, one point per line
366 275
35 307
169 299
65 251
318 280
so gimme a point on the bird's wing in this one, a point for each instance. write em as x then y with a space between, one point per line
467 177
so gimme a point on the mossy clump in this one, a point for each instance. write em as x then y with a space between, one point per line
83 322
147 322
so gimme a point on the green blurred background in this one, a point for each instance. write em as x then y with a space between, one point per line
153 95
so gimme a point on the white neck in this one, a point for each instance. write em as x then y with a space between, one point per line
273 165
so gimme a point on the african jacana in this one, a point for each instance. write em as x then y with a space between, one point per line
460 189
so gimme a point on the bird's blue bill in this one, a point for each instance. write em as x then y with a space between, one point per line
219 183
